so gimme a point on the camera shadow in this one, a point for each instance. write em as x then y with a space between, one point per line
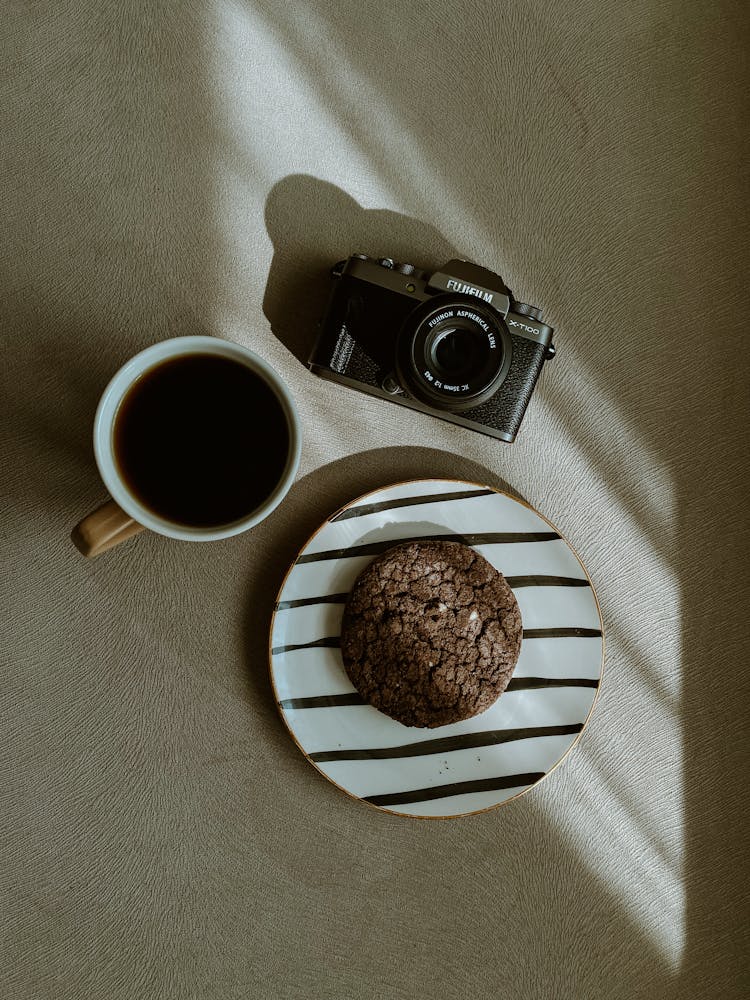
312 225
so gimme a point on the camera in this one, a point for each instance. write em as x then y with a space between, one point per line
454 343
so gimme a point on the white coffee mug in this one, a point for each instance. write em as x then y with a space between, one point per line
124 515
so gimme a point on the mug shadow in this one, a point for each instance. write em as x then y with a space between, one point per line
86 279
52 416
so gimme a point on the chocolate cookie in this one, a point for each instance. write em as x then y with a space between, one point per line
431 633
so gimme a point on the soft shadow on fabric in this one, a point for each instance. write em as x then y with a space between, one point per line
313 224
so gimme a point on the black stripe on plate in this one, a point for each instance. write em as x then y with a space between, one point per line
516 582
531 683
323 701
334 641
482 538
561 633
545 581
458 788
516 684
327 642
304 602
374 508
465 741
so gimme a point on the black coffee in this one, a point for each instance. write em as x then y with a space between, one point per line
201 440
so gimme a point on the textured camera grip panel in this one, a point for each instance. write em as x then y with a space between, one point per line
505 410
361 367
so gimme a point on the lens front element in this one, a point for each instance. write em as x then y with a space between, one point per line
456 353
453 353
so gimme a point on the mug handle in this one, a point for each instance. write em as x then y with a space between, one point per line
104 528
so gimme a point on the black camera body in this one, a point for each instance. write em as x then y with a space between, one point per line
454 343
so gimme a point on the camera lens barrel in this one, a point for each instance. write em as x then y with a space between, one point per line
453 352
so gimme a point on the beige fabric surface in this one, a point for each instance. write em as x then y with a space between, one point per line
172 168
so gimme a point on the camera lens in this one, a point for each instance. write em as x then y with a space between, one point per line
453 353
456 353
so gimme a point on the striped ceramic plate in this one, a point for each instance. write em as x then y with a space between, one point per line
469 766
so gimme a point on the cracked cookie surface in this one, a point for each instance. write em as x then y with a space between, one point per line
431 633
